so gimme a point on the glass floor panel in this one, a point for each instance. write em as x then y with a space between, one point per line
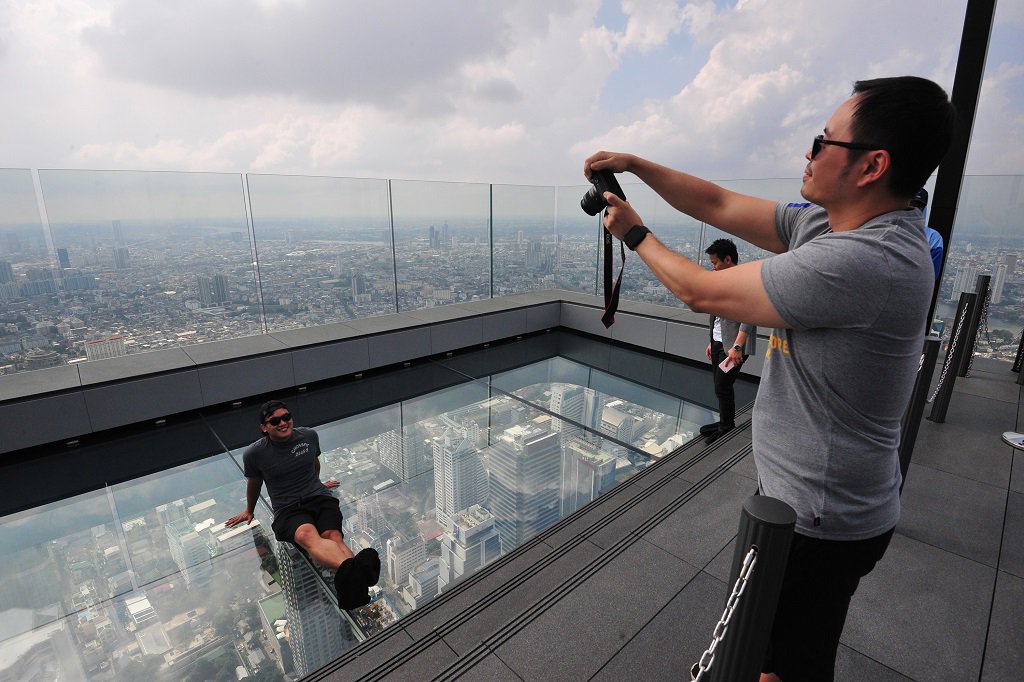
120 566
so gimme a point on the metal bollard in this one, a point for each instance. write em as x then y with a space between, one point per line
954 357
912 418
767 524
971 332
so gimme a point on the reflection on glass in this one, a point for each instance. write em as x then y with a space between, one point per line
143 580
324 248
143 261
525 246
442 243
578 238
28 281
987 240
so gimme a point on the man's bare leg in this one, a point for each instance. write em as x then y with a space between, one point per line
770 677
327 548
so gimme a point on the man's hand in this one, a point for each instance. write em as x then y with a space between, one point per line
736 356
615 162
619 217
238 518
707 351
331 483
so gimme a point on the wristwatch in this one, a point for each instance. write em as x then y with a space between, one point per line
737 347
636 234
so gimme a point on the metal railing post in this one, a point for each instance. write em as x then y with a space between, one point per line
1020 355
981 292
954 356
912 417
766 524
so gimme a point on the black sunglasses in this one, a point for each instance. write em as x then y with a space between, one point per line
274 421
820 140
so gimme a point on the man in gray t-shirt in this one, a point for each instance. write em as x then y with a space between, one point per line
287 459
847 297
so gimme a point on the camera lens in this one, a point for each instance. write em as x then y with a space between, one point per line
593 201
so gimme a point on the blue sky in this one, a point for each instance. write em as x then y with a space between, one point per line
518 93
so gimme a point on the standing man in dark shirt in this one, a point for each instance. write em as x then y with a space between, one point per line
730 340
306 514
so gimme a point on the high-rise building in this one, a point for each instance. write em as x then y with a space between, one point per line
460 480
220 289
118 233
524 466
998 282
38 358
569 402
422 585
403 556
965 280
101 349
121 260
470 543
406 452
587 472
316 632
617 424
6 272
189 552
63 258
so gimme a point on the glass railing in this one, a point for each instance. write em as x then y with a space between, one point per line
97 264
133 575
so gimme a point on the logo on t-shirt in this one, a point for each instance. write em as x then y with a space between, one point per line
300 449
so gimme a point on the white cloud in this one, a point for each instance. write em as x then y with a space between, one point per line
510 93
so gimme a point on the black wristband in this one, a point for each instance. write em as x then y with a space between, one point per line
737 347
634 236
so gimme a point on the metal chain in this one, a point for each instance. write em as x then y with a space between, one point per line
982 326
949 357
730 606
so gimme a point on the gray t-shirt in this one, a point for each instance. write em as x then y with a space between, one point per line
837 381
288 469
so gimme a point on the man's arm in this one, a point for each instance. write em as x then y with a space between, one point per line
253 485
749 218
735 293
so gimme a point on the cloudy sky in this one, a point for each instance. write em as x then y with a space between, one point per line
515 92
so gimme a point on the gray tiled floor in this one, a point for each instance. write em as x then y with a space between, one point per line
632 588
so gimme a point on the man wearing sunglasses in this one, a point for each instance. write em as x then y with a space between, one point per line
306 514
847 296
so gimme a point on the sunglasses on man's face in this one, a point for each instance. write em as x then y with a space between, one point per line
274 421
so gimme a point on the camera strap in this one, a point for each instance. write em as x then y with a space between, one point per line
611 292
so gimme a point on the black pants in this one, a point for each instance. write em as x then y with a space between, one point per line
724 386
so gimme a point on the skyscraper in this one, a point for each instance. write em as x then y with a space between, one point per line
406 452
403 556
460 480
316 632
963 281
189 552
569 402
587 472
998 282
6 272
525 466
121 260
470 543
101 349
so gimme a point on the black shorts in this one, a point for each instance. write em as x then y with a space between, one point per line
323 511
821 577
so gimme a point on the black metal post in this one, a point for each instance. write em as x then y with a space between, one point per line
766 524
954 355
1019 356
981 291
912 417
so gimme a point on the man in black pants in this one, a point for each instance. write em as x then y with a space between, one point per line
306 514
741 339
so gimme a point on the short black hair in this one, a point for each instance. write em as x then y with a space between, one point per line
720 248
911 118
270 407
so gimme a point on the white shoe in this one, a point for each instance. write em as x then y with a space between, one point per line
1014 439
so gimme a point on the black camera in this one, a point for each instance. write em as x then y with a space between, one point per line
593 201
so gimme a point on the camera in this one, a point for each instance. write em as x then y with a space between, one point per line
604 181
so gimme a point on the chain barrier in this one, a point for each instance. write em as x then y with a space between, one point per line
982 326
949 357
702 666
